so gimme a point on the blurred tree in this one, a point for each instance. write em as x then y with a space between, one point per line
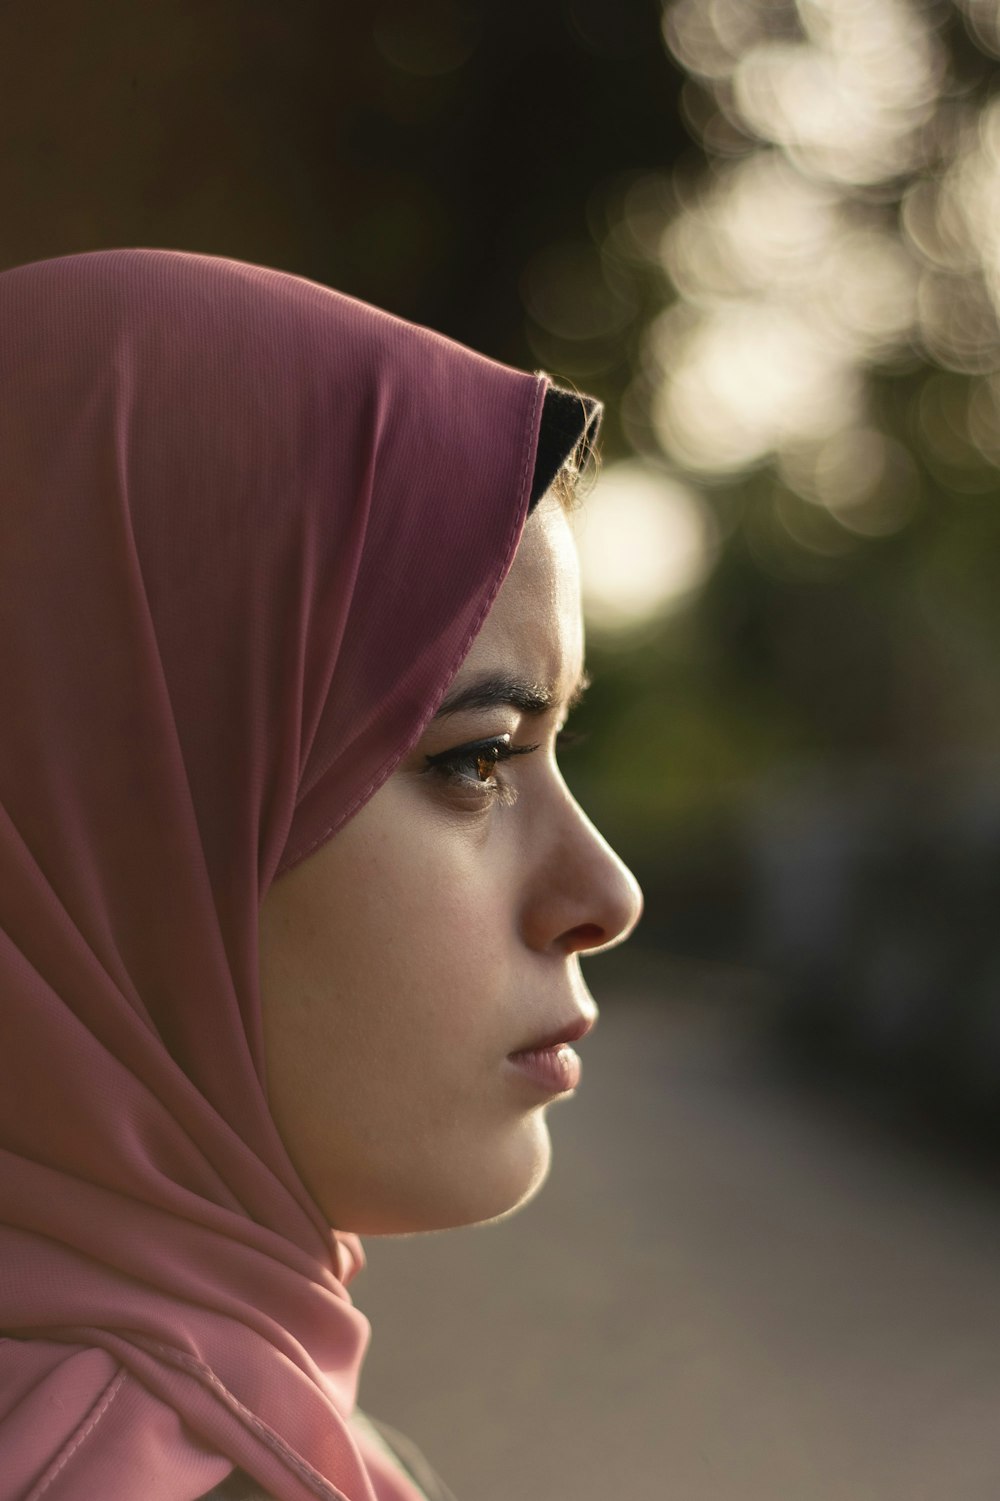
822 370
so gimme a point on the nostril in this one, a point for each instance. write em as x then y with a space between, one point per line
586 936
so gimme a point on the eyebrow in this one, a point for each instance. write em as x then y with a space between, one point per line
497 691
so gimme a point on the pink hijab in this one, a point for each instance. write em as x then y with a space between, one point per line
249 528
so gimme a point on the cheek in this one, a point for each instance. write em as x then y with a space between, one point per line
433 917
411 926
386 1030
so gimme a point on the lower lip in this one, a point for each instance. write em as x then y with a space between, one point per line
555 1070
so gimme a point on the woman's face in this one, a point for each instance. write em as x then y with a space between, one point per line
439 932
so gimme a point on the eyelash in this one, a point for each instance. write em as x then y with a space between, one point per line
462 764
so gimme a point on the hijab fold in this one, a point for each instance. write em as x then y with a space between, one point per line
249 529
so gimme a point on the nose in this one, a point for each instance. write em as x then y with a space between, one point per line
584 898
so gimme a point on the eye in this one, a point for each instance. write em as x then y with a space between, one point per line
473 767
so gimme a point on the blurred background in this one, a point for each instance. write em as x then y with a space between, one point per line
767 234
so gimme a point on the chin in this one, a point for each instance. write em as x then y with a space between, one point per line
487 1192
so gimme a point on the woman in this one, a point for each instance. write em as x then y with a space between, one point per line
291 890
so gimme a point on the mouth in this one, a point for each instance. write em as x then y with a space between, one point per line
549 1062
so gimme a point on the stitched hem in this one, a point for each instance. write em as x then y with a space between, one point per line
72 1445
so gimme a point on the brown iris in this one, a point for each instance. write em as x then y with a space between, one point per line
486 764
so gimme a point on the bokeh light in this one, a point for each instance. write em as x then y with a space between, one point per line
745 377
866 480
848 222
645 542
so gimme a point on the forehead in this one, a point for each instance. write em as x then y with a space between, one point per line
535 627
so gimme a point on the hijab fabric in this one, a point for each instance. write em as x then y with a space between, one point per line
249 528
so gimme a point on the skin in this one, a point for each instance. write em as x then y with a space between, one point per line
439 931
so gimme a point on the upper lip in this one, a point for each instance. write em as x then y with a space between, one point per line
570 1031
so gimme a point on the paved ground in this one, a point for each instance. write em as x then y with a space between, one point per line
733 1288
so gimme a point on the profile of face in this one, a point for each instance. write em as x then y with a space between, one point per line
439 932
